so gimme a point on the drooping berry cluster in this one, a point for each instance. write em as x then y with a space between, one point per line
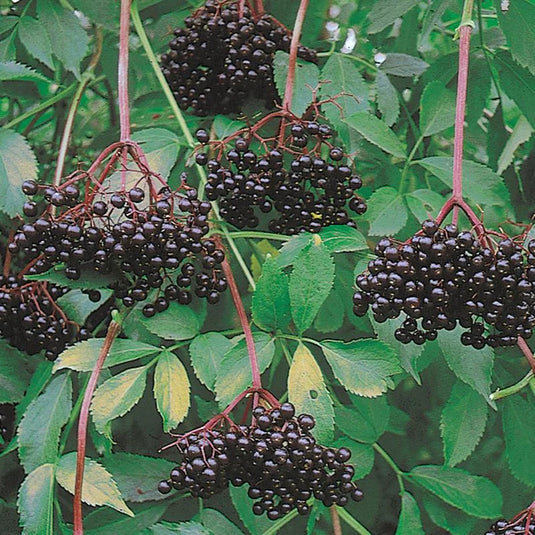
154 242
31 321
444 277
277 457
223 57
518 527
7 421
304 183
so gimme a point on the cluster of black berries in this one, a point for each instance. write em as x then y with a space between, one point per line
444 277
277 457
304 188
7 421
503 527
223 57
148 243
31 321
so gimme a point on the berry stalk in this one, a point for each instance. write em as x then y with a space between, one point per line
122 71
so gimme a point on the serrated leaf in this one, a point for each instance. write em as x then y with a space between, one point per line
116 396
207 351
68 39
473 366
311 281
40 427
387 98
342 239
409 522
77 305
83 356
518 23
521 133
463 422
36 501
14 376
452 520
171 390
363 366
377 132
182 528
89 278
234 374
387 213
161 148
308 392
271 300
484 186
437 108
474 495
432 18
305 82
11 70
214 520
178 322
17 164
225 126
34 37
385 12
292 248
135 475
403 65
98 487
424 203
517 417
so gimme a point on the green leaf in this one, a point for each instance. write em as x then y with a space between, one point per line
437 108
98 487
362 455
474 495
308 393
11 70
135 475
68 38
387 213
40 427
207 351
517 416
34 37
83 356
518 23
242 504
517 82
521 133
292 248
14 376
403 65
410 522
271 300
377 132
424 203
106 521
17 164
225 126
306 80
178 322
116 396
387 98
473 366
36 501
214 520
234 374
342 239
311 281
182 528
77 305
450 519
171 390
484 186
363 366
161 148
385 12
366 420
7 22
89 278
463 422
432 18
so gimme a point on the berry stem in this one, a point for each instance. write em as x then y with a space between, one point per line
527 352
122 71
7 259
113 331
352 522
335 519
513 389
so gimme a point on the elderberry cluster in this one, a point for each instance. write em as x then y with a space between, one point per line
444 277
277 457
158 244
223 57
304 188
503 527
31 321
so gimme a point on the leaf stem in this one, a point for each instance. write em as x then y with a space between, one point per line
352 522
513 389
521 343
122 71
397 470
335 519
258 235
74 415
408 163
276 526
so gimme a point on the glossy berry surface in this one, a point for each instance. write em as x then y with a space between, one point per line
515 527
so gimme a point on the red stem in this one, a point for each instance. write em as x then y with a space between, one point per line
113 331
521 343
7 259
122 71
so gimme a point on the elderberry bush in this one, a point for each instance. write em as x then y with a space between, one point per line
444 277
503 527
303 184
223 57
276 456
145 244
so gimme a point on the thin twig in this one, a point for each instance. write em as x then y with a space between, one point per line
335 518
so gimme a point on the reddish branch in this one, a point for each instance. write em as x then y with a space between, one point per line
122 71
113 331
